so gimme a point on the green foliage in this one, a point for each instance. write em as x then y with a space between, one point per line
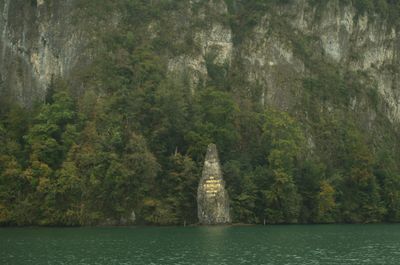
326 203
53 130
317 197
214 114
86 162
179 188
217 73
387 9
364 6
284 142
133 139
243 192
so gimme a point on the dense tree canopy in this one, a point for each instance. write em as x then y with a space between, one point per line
132 142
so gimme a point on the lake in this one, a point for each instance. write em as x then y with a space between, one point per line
285 244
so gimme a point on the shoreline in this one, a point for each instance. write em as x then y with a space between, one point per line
192 225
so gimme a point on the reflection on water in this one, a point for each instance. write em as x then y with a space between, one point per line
329 244
212 244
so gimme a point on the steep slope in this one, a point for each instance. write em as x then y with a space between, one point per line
301 97
273 48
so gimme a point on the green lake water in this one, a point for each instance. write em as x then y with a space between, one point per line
294 244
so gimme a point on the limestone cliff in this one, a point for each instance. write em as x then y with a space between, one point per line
286 42
38 43
273 54
41 40
212 198
261 78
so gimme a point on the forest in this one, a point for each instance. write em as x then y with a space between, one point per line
130 137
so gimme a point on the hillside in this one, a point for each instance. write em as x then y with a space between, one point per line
107 108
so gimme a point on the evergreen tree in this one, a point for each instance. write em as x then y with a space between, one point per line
284 142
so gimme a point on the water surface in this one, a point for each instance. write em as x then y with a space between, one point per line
296 244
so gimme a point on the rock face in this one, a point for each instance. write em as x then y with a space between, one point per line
212 198
277 59
39 41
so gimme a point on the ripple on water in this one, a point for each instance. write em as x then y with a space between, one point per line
332 244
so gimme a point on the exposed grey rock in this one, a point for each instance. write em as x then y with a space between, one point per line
212 198
109 222
133 217
123 221
41 40
128 220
